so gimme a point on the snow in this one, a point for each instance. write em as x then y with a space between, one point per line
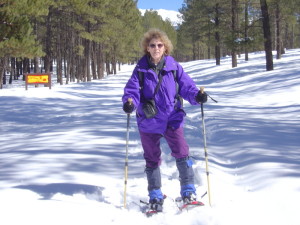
63 150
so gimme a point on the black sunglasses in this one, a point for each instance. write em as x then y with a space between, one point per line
158 45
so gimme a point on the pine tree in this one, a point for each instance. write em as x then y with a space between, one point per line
16 36
205 24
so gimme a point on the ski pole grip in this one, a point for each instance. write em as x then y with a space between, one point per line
202 90
130 101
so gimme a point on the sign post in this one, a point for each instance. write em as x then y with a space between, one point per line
38 78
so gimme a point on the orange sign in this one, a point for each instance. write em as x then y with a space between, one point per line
38 78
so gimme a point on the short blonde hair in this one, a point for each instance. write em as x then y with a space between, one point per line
154 33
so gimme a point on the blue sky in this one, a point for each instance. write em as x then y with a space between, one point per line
160 4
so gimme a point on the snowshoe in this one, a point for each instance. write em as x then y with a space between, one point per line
188 202
154 206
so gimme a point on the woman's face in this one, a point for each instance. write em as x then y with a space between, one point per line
156 49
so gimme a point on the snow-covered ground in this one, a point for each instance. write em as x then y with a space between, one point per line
63 150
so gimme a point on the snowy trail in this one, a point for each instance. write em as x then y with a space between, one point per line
63 150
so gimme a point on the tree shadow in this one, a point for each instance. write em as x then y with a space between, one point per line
47 191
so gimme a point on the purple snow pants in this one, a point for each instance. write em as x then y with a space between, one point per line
151 146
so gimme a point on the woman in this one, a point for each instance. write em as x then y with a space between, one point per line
152 91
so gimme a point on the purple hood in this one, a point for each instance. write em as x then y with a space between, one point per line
165 100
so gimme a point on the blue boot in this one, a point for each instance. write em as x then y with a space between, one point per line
188 193
156 204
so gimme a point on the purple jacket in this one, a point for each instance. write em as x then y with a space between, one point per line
167 115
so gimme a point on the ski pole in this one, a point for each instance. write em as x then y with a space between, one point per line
205 149
126 155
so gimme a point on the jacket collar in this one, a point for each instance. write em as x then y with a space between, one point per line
159 66
168 62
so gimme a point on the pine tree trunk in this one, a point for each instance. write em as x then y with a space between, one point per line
19 68
78 69
26 66
59 64
59 68
293 37
267 35
66 70
107 64
246 29
233 27
114 61
72 61
36 65
114 65
194 51
93 60
72 58
278 31
48 41
217 36
87 60
13 69
2 70
208 47
100 62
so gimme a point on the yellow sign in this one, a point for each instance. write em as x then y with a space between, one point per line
42 79
38 78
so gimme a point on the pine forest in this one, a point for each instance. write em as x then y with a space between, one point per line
88 39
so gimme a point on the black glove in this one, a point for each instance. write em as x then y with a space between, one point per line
128 107
201 97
